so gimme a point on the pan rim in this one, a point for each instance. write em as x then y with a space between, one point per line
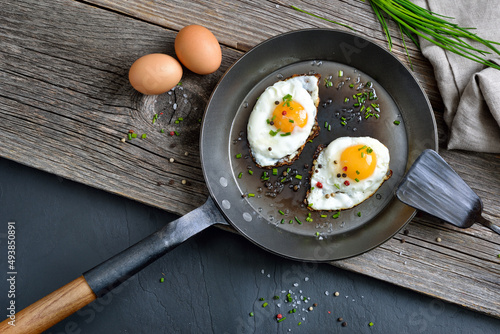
214 183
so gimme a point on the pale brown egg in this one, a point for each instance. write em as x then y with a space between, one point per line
198 49
155 73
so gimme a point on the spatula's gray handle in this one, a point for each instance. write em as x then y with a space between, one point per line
490 225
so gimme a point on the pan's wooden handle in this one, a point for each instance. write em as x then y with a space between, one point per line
51 309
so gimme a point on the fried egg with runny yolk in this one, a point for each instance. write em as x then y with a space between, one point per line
347 172
282 120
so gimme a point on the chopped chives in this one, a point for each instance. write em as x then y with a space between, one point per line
143 136
336 215
162 131
275 171
297 220
359 214
129 136
134 135
369 150
326 124
317 234
291 121
329 127
238 155
357 172
337 186
397 122
240 175
362 148
250 172
265 304
341 73
251 314
251 195
323 216
281 212
285 134
290 222
280 320
176 133
162 280
356 179
346 100
298 176
282 221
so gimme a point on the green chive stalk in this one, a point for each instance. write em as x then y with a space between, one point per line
414 21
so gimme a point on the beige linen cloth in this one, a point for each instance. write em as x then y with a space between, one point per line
470 91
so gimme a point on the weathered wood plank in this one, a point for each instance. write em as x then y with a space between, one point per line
65 103
245 23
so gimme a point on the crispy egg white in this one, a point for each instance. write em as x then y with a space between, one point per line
282 120
347 172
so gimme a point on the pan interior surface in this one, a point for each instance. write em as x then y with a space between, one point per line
282 224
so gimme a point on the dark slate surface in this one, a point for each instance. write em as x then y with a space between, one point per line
211 282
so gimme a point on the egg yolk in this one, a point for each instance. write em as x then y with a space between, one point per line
289 114
358 162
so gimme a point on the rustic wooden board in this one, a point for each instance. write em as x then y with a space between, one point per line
65 103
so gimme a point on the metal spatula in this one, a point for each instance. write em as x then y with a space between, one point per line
432 186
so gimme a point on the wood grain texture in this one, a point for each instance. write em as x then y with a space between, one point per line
65 103
51 309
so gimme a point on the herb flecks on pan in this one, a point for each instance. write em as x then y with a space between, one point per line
413 21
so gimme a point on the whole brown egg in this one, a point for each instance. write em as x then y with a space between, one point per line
155 73
198 49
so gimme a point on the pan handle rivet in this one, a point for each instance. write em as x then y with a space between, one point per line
226 204
223 181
